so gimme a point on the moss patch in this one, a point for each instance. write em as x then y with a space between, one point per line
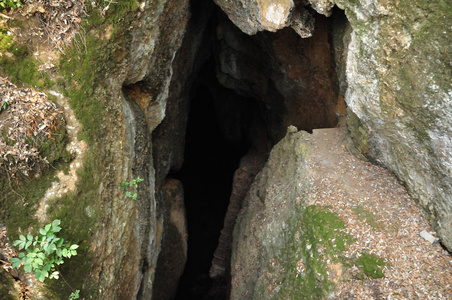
6 40
78 225
317 241
22 68
371 265
19 201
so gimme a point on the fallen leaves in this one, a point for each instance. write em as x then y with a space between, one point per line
26 122
60 19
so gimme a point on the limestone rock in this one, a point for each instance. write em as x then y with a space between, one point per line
399 74
252 16
173 254
262 225
250 165
323 7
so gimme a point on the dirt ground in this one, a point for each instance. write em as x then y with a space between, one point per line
384 220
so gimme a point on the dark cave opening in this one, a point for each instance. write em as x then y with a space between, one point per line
210 159
228 116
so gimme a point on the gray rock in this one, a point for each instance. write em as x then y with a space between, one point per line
399 87
252 16
262 226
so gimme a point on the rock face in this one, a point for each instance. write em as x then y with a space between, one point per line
399 74
293 77
252 16
319 223
250 165
262 227
138 259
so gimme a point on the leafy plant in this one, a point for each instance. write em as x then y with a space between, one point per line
43 252
134 184
10 3
74 295
4 105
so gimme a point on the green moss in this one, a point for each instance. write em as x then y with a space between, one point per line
23 68
54 147
83 70
78 228
19 201
316 242
371 265
6 40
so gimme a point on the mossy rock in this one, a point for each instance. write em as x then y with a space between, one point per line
371 264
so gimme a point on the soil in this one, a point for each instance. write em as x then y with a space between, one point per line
384 220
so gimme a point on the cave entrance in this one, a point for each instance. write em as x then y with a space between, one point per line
245 96
213 148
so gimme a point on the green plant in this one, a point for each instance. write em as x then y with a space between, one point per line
74 295
10 3
4 105
133 183
43 252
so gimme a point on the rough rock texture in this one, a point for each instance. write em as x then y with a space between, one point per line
250 165
170 263
293 77
399 91
252 16
262 225
319 223
134 248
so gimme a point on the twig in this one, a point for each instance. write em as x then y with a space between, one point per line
61 274
5 16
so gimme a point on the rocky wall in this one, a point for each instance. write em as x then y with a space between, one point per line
398 75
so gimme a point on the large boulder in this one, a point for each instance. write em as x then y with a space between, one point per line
400 96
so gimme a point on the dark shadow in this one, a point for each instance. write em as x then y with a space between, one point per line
210 162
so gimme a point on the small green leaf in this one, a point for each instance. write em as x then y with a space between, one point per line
27 268
42 231
39 261
29 237
74 252
22 238
47 227
74 246
64 252
16 263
